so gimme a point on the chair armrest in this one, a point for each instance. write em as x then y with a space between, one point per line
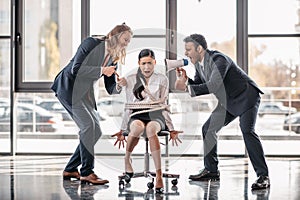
163 133
125 133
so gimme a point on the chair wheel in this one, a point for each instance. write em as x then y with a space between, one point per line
127 178
127 185
150 185
174 182
121 182
174 188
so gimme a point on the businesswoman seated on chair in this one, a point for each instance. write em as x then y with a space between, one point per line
146 86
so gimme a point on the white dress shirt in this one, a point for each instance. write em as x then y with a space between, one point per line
158 86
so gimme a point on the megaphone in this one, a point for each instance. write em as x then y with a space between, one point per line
173 64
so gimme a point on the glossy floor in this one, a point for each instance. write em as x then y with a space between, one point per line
39 177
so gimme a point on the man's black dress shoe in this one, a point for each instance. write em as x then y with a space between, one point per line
262 182
205 175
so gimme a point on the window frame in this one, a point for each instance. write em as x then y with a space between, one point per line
36 86
45 86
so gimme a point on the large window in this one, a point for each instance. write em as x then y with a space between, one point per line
49 33
5 96
5 66
273 17
149 29
274 65
218 25
274 62
4 17
264 42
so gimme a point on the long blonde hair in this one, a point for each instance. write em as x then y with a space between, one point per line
112 39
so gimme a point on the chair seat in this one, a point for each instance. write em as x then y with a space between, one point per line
161 133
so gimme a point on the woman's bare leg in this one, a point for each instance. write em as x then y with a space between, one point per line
152 129
136 129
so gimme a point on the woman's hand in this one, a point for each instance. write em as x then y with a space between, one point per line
122 82
120 138
108 71
174 137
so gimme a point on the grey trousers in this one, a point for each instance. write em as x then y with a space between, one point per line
86 118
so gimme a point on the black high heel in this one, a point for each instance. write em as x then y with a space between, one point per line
130 174
127 176
159 190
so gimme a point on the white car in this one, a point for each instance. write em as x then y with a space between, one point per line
112 107
275 108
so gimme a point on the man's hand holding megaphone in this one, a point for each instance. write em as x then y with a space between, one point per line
177 65
180 83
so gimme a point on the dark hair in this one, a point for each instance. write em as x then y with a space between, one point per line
197 39
139 87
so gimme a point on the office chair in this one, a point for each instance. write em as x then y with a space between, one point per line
147 173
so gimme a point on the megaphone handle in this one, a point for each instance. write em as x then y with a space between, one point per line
181 72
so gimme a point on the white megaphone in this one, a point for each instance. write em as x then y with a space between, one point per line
173 64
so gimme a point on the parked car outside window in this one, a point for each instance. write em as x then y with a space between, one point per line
275 108
30 118
292 123
111 107
54 106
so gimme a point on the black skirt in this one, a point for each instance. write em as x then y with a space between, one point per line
149 116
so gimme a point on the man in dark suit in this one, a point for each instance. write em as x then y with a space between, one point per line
238 96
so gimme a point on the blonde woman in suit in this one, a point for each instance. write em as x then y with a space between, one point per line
73 86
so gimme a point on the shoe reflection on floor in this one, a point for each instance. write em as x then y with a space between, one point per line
261 194
76 190
210 188
149 194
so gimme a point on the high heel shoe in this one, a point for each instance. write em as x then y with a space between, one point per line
127 176
159 190
130 174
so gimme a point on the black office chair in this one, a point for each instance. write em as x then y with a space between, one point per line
147 173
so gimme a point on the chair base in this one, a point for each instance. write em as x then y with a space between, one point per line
147 174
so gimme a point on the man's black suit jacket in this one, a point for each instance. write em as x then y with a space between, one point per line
76 80
234 89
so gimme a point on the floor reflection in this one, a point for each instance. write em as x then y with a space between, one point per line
29 177
130 192
77 191
149 194
210 188
262 194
